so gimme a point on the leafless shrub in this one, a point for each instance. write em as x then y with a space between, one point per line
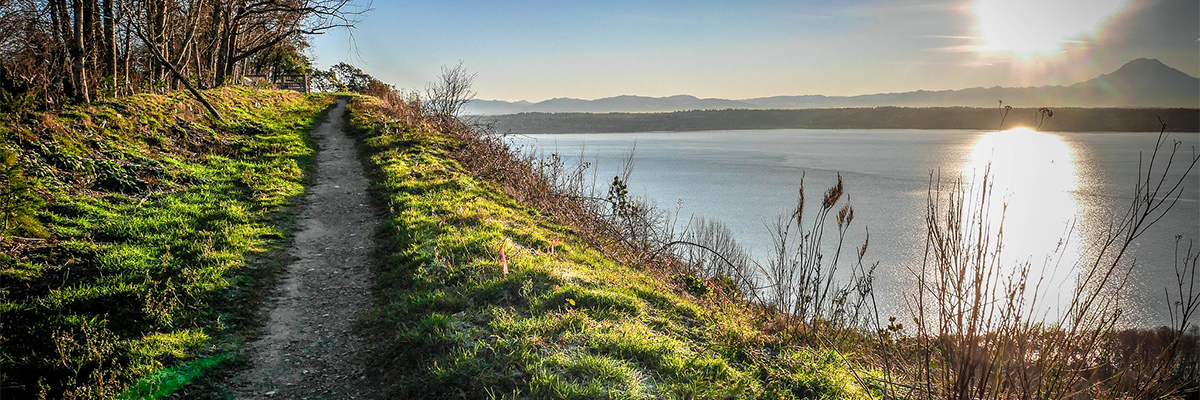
717 253
445 98
979 334
799 283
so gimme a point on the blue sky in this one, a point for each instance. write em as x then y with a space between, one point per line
544 49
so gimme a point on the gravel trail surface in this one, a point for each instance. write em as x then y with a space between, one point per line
310 349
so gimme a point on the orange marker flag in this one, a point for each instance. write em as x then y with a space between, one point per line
503 260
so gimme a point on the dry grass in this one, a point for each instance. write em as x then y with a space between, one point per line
980 327
478 297
975 334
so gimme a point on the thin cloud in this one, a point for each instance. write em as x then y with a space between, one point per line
975 64
965 48
905 7
649 18
975 45
950 37
895 8
911 63
803 16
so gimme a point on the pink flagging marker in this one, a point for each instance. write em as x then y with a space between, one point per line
503 260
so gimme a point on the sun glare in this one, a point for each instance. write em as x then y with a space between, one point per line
1033 173
1038 26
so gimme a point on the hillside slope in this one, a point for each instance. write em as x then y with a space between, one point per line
133 232
481 296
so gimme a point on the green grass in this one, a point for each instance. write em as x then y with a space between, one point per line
448 323
155 223
165 382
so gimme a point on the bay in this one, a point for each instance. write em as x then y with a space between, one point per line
1052 186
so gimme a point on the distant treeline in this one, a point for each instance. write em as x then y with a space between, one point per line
1064 119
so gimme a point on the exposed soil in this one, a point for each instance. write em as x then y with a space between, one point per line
310 348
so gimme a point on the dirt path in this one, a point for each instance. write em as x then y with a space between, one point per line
309 349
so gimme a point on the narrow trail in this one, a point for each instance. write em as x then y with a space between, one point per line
310 349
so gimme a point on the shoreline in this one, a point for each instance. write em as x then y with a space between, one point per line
939 118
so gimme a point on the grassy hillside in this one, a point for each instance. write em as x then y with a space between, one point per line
129 229
480 296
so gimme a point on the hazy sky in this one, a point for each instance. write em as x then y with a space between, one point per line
537 50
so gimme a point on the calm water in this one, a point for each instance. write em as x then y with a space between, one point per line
1048 181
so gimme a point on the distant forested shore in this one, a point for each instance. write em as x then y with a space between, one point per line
1064 120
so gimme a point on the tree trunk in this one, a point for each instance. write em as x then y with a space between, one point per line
212 42
188 45
89 33
110 44
61 26
230 62
157 10
200 81
225 48
77 54
128 53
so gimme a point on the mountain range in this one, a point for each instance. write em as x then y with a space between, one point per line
1140 83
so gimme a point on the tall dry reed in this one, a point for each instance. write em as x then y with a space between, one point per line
981 330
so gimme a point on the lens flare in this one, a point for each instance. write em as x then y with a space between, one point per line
1038 26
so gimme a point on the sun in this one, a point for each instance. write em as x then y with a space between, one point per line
1039 26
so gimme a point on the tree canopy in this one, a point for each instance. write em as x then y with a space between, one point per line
77 50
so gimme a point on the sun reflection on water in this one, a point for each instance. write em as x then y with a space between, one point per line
1034 174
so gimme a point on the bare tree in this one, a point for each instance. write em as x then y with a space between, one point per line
179 76
446 97
248 28
72 49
